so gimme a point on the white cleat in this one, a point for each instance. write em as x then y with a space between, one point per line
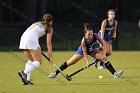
52 75
101 67
117 74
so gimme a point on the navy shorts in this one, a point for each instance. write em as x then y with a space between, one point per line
80 51
106 37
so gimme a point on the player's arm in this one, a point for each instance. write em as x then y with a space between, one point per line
49 43
101 42
114 31
84 51
103 28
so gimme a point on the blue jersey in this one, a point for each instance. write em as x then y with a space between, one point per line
108 30
89 46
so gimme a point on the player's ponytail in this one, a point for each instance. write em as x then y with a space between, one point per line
87 27
46 19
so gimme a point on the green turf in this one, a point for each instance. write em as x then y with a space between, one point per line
85 82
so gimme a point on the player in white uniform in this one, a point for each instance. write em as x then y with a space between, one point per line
29 43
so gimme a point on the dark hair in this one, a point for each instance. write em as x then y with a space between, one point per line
110 10
87 27
47 18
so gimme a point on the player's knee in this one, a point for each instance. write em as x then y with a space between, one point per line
31 59
103 58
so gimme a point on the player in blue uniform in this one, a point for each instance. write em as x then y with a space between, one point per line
86 48
108 32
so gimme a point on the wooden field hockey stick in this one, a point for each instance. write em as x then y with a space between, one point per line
65 76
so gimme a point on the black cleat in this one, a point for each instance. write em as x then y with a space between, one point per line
23 77
29 83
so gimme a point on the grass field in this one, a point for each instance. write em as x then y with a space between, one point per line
85 82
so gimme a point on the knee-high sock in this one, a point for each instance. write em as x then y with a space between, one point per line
32 67
62 67
110 67
26 66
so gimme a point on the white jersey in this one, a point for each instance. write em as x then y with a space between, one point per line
30 38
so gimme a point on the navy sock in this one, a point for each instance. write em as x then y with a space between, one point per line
110 67
62 67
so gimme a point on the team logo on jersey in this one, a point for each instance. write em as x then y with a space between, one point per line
110 28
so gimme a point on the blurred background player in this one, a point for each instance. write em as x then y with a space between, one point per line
86 48
29 43
108 33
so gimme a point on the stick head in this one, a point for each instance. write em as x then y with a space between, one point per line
68 78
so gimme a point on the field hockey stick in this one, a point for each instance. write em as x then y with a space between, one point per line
80 70
65 76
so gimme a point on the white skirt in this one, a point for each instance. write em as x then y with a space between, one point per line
29 41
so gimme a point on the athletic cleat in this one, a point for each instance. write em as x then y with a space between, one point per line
101 67
52 75
117 74
23 77
29 82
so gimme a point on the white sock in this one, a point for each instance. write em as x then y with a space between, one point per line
28 63
26 66
32 66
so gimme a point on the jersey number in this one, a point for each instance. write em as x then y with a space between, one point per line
90 48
